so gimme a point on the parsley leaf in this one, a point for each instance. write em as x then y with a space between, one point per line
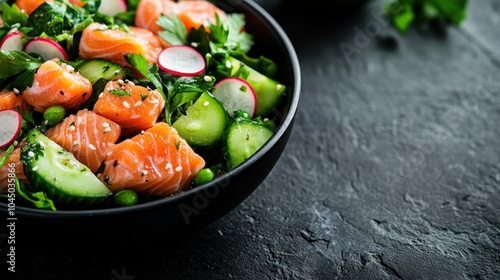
407 12
17 69
120 92
174 30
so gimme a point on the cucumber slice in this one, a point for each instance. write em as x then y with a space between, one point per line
204 122
97 68
244 137
55 171
269 92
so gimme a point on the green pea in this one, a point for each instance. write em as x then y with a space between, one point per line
54 114
125 198
241 114
204 176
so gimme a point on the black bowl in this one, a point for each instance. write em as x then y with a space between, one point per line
196 207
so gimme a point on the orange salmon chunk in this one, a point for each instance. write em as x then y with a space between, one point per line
13 100
87 135
133 107
158 162
100 41
56 83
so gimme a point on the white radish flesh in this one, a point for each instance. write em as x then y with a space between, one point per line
112 7
181 60
13 41
11 126
46 48
235 94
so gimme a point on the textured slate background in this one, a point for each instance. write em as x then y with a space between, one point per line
392 171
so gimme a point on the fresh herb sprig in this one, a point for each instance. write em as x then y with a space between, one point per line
405 13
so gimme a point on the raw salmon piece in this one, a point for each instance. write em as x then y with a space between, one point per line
192 13
197 13
149 36
87 135
15 161
133 107
158 162
100 41
13 100
56 83
29 5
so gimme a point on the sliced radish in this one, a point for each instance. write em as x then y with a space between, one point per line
11 126
181 60
13 41
112 7
46 48
235 94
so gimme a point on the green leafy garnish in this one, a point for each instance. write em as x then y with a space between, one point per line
120 92
174 31
407 12
36 199
17 69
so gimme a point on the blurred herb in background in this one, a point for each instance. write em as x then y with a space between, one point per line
404 13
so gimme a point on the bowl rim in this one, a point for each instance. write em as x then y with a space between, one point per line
287 120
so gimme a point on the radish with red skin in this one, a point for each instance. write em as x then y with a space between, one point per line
11 121
46 48
235 94
13 41
181 60
112 7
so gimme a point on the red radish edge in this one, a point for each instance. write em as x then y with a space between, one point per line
232 102
112 7
11 126
46 48
13 41
181 60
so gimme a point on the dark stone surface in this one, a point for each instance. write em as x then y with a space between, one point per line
392 171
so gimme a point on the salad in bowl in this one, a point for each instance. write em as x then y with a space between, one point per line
108 104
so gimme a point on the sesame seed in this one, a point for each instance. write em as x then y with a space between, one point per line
35 168
46 122
206 103
153 101
142 132
279 86
99 175
144 172
37 83
178 169
42 145
101 94
107 129
168 166
109 153
76 142
228 64
16 91
126 105
138 103
105 124
92 147
130 83
194 44
70 68
31 154
120 81
207 78
15 143
71 128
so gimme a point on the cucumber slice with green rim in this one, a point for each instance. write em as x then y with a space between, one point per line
55 171
243 139
204 122
97 68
